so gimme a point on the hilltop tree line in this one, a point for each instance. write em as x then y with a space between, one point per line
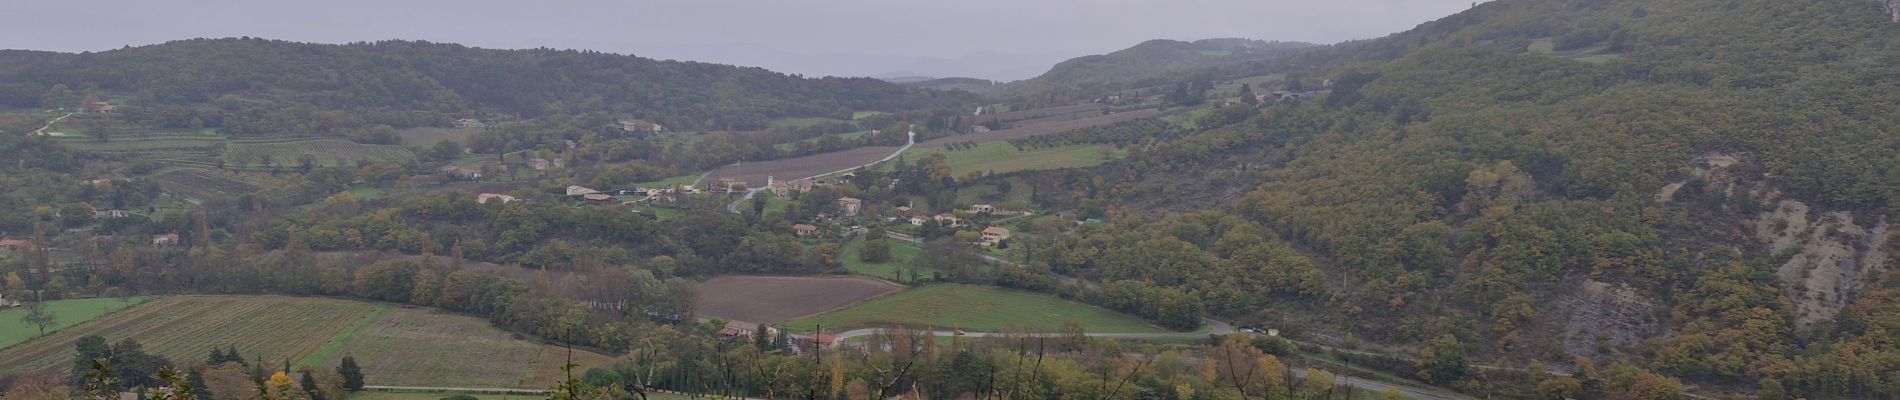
257 86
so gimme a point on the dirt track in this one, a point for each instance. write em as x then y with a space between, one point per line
754 173
768 299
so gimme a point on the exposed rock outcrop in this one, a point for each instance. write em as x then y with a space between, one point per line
1833 256
1605 317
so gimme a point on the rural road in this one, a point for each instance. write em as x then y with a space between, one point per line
49 124
908 142
433 389
1215 328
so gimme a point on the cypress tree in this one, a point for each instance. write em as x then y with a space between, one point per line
352 374
309 385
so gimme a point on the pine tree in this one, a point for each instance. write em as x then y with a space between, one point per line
352 374
309 385
195 378
762 339
216 357
782 341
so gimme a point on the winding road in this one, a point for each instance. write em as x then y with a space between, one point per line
909 141
49 124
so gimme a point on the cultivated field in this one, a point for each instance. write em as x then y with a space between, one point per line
770 299
1043 129
187 327
396 346
202 184
754 173
284 153
1003 157
428 347
427 137
973 308
1012 116
69 313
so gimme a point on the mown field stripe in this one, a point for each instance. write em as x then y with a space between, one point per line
336 343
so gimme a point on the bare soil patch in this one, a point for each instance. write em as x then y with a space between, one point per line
771 299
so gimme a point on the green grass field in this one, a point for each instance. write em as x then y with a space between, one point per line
69 313
427 137
1190 119
1018 197
902 253
974 308
284 153
668 182
857 115
1002 157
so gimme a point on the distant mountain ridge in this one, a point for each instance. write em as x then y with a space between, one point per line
441 78
1149 63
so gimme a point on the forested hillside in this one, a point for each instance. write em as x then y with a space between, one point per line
1151 63
1698 186
257 86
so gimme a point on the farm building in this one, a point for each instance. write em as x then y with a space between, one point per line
743 329
461 173
995 234
784 189
805 230
545 164
982 208
485 197
96 182
109 214
850 205
580 191
947 219
470 123
641 126
822 340
165 239
15 244
918 221
98 107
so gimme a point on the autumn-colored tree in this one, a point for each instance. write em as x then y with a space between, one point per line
44 388
280 387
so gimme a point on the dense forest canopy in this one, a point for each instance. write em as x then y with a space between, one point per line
381 80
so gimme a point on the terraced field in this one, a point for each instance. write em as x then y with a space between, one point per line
973 308
426 137
202 184
284 152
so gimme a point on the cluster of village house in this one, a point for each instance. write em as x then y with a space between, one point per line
736 330
538 164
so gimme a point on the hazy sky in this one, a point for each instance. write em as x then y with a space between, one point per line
999 39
